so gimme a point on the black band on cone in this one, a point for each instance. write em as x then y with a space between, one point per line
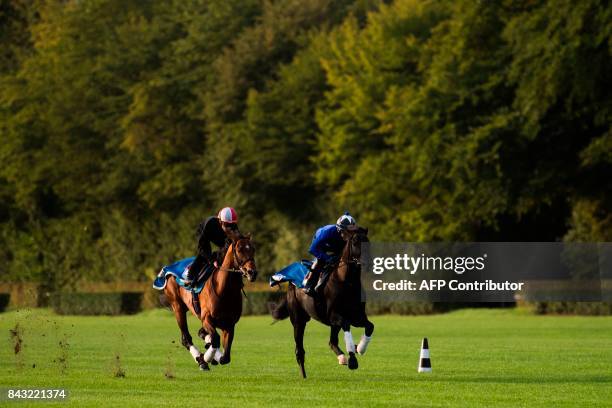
425 363
425 344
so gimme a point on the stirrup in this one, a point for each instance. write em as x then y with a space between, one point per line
310 291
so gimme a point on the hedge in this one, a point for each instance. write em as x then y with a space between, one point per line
4 301
256 303
97 303
569 308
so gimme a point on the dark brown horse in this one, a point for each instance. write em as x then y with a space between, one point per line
340 307
221 303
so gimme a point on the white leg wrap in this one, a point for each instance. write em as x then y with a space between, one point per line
207 339
210 354
218 355
342 359
194 352
350 344
363 344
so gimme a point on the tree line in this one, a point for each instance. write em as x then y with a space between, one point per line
125 123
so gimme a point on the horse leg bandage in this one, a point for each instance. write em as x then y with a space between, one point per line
218 355
350 344
194 352
210 354
363 344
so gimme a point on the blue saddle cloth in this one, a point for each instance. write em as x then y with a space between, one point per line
177 270
294 273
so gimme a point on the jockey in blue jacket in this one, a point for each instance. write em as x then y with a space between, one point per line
327 246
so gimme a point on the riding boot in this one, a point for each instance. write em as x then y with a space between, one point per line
196 303
194 270
205 272
309 288
322 281
201 278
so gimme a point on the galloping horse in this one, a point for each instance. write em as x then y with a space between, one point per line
340 308
221 303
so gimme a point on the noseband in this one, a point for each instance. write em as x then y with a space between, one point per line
239 264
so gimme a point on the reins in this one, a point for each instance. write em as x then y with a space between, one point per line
230 270
347 260
236 270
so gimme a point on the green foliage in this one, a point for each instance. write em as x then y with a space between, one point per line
123 124
590 222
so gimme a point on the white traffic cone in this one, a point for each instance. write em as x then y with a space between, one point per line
424 361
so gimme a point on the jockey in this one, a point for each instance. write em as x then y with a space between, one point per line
327 246
216 230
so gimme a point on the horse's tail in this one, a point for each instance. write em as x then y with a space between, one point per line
279 311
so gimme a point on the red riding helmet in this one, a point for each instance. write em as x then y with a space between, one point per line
228 215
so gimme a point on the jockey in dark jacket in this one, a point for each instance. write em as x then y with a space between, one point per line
326 246
217 230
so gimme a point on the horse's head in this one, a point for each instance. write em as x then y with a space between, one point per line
244 257
354 237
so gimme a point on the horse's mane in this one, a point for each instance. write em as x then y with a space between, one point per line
362 231
222 252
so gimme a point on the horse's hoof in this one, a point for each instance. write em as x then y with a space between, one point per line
202 363
342 359
224 360
352 362
214 362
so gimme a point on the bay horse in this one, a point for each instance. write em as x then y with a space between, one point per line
340 307
221 303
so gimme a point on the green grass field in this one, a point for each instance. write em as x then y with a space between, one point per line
479 358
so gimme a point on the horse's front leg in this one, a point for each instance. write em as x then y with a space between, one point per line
205 336
228 338
180 312
350 345
336 319
333 343
212 353
367 337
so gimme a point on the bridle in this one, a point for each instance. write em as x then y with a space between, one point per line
351 259
238 264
